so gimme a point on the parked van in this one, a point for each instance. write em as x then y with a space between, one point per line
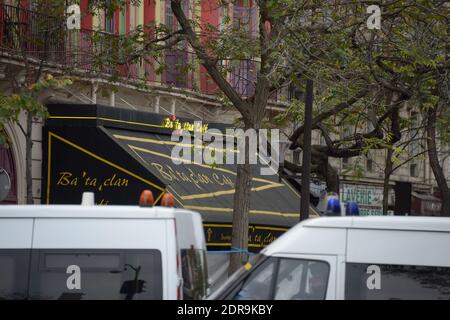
350 258
100 252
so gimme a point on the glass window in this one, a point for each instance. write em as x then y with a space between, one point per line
369 165
14 265
96 274
195 277
301 280
413 170
296 279
258 285
394 282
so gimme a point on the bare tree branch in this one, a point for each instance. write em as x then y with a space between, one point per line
324 115
208 62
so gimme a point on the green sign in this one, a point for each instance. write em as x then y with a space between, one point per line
369 198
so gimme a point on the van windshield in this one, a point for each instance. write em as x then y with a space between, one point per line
75 274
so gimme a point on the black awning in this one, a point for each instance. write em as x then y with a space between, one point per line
117 158
209 189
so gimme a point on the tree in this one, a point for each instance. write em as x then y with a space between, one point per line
251 109
403 62
31 38
365 77
433 154
274 45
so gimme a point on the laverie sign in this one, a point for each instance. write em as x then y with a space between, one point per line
369 198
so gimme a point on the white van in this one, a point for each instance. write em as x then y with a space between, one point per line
100 252
350 258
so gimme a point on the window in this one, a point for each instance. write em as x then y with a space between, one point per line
244 16
193 266
14 265
414 146
110 24
109 20
369 165
7 164
345 163
96 274
295 93
176 71
243 76
296 156
394 282
285 279
413 170
176 59
301 280
171 22
258 285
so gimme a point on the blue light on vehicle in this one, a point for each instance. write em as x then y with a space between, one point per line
333 207
352 209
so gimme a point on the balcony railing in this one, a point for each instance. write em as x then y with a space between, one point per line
24 32
27 34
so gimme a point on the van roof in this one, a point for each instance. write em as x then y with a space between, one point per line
79 211
382 222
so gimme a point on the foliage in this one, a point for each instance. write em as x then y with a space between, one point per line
11 106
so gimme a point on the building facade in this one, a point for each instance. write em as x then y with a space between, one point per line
175 90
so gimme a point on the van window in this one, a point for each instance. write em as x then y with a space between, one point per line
96 274
14 265
393 282
302 280
285 279
258 285
195 276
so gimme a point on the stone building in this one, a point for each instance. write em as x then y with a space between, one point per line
173 92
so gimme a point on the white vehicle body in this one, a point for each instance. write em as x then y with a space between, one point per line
358 257
103 242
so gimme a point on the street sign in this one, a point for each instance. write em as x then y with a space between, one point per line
368 197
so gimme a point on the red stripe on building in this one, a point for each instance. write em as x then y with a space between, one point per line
149 19
86 19
209 17
127 17
149 12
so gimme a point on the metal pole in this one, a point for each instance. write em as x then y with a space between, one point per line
306 163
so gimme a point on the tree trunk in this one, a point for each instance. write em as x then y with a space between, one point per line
387 176
332 179
28 160
434 162
322 167
241 207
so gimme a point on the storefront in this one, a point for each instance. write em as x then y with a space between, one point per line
425 205
117 153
